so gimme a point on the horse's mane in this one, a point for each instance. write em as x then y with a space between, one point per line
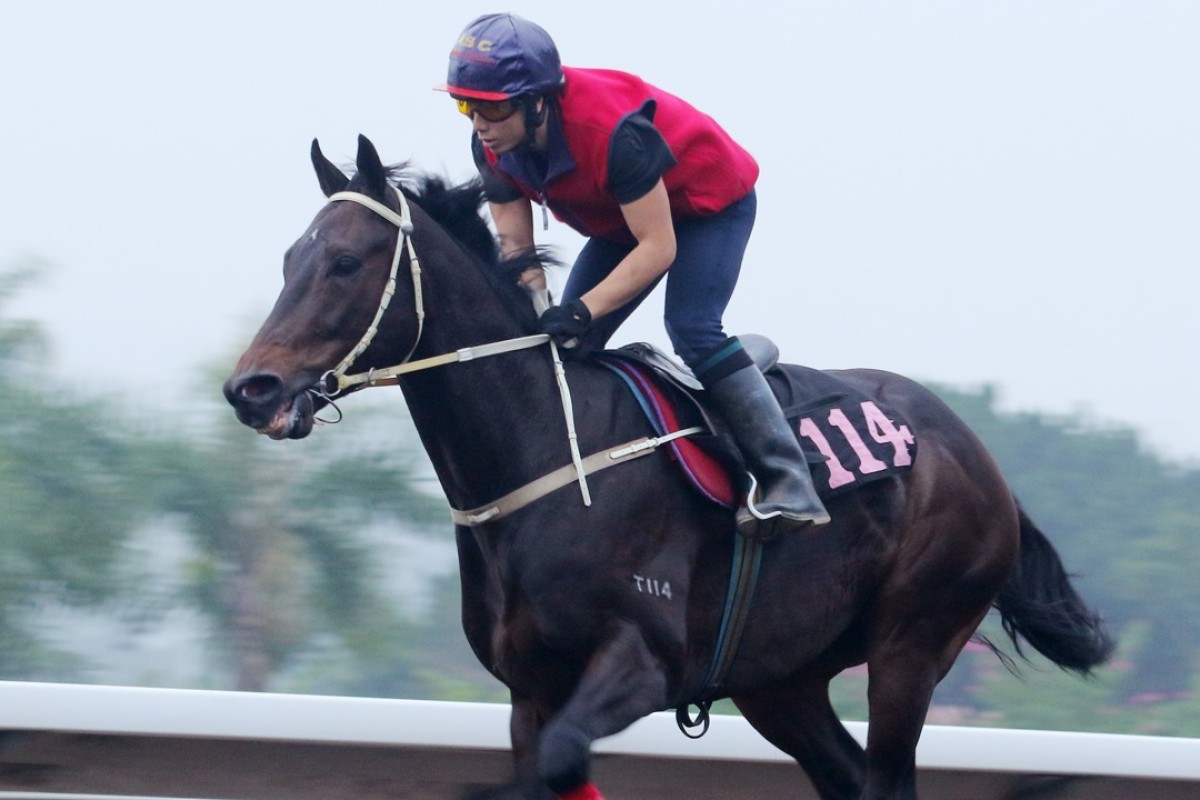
456 208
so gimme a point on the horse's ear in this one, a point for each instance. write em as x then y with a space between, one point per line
329 176
371 169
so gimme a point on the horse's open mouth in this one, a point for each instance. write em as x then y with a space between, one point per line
293 421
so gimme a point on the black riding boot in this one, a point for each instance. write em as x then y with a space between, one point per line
782 496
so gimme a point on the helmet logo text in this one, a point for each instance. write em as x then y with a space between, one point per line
470 42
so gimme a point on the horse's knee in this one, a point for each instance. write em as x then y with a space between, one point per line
564 757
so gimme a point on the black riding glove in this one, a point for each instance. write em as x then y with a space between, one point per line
567 322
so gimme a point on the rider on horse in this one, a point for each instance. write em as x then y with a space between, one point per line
654 184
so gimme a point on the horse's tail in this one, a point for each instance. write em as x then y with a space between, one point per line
1039 604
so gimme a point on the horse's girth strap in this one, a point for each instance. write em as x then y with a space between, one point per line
539 488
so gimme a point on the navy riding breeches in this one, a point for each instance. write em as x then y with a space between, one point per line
708 260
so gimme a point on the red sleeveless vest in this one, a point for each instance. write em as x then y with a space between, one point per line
712 172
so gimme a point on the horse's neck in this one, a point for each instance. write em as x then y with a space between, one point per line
486 420
489 425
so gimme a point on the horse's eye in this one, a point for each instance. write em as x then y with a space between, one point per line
344 265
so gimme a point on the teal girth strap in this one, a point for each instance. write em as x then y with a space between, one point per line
743 576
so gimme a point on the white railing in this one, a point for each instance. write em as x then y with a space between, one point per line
84 742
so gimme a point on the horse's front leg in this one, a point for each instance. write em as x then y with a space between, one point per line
524 727
623 682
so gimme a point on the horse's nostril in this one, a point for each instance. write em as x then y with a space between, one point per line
257 389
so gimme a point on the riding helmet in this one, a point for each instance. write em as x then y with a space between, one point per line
501 56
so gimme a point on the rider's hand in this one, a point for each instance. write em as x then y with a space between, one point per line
567 322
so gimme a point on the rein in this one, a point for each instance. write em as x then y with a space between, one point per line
335 381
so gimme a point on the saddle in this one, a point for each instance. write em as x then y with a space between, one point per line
847 437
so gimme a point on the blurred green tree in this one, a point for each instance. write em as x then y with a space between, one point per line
67 499
282 530
1127 525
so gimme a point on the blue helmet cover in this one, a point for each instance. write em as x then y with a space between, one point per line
499 56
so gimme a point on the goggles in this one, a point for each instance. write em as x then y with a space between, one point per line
490 110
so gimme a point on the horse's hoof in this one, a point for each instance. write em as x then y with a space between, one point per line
511 791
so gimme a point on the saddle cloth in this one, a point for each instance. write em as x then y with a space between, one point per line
848 439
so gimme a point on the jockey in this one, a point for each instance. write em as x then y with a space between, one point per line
658 188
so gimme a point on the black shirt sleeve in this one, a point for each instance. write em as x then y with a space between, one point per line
496 187
637 155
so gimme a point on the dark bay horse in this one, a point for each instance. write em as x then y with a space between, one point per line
556 594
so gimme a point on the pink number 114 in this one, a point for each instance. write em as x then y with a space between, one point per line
879 428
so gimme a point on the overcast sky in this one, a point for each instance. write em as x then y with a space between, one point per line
963 192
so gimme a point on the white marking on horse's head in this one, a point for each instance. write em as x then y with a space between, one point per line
312 237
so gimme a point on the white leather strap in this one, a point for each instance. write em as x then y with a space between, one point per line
564 475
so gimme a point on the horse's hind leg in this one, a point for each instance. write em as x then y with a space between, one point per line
899 700
799 720
904 668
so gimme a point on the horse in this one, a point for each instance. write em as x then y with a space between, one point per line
596 611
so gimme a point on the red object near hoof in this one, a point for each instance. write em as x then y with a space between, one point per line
586 792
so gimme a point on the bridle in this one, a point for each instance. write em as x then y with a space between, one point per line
336 380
